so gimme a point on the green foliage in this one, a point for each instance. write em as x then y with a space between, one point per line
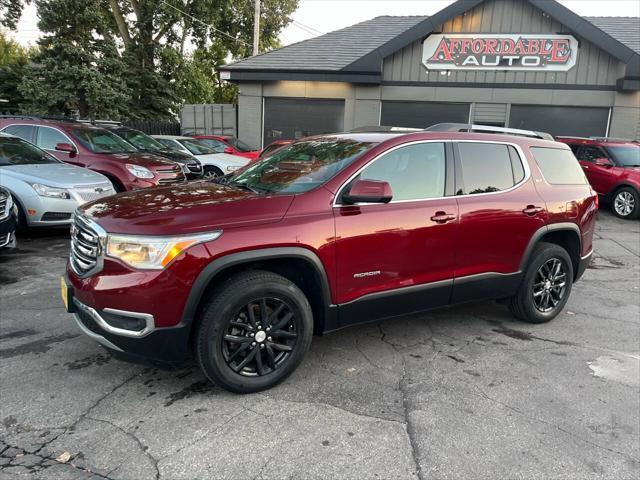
13 60
131 58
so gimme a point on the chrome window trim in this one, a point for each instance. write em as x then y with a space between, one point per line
519 151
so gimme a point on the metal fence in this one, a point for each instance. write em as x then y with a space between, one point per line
154 127
209 119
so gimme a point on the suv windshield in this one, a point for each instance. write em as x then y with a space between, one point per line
140 140
239 145
196 147
99 140
300 167
15 151
626 156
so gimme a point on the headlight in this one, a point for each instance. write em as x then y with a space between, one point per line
53 192
232 168
152 252
138 171
8 205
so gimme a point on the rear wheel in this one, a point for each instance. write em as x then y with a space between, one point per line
254 332
211 172
546 285
626 203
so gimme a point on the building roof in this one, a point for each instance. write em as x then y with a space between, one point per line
626 30
332 51
355 54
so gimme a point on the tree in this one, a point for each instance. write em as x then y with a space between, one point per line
130 58
13 60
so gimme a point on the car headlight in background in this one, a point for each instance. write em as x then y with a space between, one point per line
232 168
138 171
47 191
153 253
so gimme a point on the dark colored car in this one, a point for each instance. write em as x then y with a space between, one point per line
97 149
227 144
329 232
612 167
191 166
8 219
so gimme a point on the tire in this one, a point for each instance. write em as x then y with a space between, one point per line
528 304
222 359
117 186
212 172
625 203
22 218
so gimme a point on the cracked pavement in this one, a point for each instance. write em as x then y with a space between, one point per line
466 392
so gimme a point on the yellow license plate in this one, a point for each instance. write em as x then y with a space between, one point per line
63 293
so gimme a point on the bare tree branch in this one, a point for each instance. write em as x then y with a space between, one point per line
120 22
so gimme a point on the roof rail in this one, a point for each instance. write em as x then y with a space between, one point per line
94 121
383 128
42 117
467 127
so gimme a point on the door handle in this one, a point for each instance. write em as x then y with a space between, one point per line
532 210
443 217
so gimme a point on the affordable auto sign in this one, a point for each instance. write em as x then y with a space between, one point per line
463 51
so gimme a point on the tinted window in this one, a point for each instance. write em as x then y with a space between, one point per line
239 144
16 151
486 167
559 167
301 166
167 142
414 172
626 156
99 140
216 145
23 131
589 154
196 147
139 140
48 138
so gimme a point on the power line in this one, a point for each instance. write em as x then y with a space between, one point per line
306 29
205 24
319 32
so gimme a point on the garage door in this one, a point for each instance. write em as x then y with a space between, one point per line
422 114
294 118
569 121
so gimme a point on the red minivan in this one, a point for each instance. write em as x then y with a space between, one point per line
325 233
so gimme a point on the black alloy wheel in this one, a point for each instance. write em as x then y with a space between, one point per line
253 332
211 172
260 338
550 285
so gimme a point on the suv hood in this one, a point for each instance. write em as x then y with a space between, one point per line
223 158
148 160
174 156
187 208
53 174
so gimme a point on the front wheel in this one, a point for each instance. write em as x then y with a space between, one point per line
211 172
626 203
254 332
546 285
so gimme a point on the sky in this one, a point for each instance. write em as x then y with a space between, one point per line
315 17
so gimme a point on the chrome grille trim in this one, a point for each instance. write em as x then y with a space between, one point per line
4 205
88 241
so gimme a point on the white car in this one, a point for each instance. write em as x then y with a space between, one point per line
214 164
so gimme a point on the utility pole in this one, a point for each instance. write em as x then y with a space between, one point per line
256 29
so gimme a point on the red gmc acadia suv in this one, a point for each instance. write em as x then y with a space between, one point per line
328 232
85 145
612 167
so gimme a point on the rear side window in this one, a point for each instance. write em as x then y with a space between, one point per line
559 166
26 132
217 146
488 167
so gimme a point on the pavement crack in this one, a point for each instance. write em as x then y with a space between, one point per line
406 407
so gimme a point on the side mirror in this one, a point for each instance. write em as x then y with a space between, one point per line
228 150
65 147
368 191
603 162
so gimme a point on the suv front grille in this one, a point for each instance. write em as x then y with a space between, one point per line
195 167
88 193
4 204
84 256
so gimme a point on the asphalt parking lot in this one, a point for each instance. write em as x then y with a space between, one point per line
461 393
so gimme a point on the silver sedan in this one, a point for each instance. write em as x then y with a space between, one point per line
46 191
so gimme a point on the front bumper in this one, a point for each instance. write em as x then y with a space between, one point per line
166 346
8 227
46 211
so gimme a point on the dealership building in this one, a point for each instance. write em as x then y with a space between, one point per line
530 64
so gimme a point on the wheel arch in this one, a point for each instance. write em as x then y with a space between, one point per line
299 265
619 186
565 235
